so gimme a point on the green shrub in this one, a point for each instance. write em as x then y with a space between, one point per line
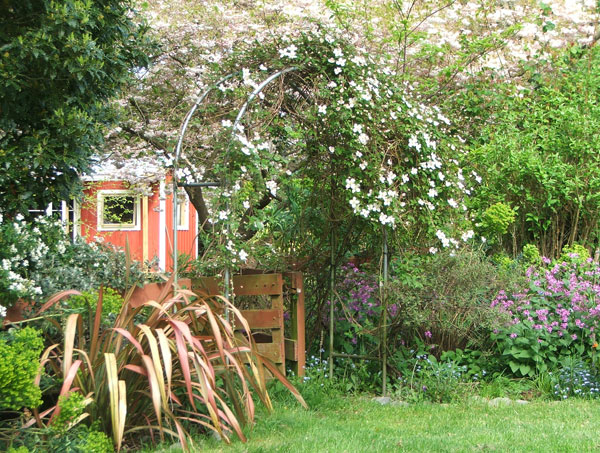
21 449
20 351
112 302
531 255
449 308
496 219
96 442
574 254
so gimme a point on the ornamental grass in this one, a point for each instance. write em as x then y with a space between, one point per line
165 367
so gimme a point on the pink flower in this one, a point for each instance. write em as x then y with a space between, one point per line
513 335
427 334
574 337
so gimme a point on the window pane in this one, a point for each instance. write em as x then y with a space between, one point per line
119 210
182 214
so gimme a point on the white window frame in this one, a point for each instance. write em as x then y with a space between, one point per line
136 226
183 206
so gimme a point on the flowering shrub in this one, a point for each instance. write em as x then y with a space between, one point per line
556 315
357 311
37 260
334 110
25 249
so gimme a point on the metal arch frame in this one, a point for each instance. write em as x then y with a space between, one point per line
188 117
227 271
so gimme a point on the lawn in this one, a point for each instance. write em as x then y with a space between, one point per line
357 424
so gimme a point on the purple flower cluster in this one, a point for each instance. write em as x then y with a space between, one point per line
563 299
359 292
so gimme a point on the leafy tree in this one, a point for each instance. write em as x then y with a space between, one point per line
540 155
61 62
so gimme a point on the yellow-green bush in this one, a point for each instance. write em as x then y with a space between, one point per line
20 351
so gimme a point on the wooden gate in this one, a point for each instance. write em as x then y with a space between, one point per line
271 338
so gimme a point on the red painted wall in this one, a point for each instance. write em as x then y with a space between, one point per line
89 223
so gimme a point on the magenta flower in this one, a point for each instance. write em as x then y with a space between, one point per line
427 334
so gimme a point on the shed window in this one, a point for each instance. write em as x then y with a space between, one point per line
118 210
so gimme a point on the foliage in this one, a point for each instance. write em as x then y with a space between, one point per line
60 64
574 253
496 219
531 255
20 350
575 378
26 248
555 315
112 304
324 117
425 378
67 433
184 352
542 160
447 307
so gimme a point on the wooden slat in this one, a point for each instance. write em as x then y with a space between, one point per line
297 332
263 319
271 351
291 350
257 285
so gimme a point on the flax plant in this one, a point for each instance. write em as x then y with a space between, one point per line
165 367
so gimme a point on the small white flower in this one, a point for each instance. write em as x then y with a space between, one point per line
272 186
363 138
243 255
289 52
331 149
322 109
352 185
467 235
246 204
354 203
223 215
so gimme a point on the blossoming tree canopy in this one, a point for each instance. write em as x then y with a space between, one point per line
338 123
438 46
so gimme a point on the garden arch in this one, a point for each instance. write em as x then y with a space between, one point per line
227 283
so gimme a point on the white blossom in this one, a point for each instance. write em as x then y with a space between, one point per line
272 186
289 52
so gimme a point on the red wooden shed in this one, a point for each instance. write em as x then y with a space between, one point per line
113 212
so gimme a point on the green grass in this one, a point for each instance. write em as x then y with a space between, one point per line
355 424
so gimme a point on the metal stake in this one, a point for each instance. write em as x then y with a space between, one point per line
384 321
